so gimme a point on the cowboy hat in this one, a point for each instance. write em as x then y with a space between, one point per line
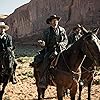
3 25
52 17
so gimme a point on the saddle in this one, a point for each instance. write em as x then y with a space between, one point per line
54 61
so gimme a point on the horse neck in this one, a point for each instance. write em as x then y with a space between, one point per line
70 61
78 60
88 65
92 48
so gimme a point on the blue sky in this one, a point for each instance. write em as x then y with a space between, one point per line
8 6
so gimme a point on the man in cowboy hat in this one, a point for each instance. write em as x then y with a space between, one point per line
54 40
6 45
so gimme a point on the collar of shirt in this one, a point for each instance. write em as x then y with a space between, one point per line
56 30
2 35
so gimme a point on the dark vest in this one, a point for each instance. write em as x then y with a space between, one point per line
4 43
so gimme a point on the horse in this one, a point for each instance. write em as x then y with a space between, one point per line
6 70
88 70
67 73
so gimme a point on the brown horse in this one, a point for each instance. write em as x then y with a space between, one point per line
67 72
5 71
88 70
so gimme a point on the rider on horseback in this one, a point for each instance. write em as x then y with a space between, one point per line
6 45
54 40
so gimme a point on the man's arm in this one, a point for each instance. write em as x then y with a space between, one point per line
64 38
9 41
10 46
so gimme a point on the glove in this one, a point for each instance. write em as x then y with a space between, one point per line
41 43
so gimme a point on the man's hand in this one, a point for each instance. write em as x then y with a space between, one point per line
61 44
41 43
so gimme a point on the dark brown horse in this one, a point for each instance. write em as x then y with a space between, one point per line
5 71
88 70
67 72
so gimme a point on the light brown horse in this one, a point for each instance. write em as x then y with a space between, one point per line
67 71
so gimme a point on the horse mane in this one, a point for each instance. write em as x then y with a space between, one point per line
74 45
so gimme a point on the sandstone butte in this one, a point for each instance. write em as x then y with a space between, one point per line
28 21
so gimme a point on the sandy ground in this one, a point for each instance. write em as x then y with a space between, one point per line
25 89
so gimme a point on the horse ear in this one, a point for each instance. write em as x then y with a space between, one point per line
83 29
79 25
95 31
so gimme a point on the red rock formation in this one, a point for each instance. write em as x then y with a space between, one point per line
29 20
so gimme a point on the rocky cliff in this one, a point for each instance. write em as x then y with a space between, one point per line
29 20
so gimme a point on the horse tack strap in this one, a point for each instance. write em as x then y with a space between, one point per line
51 79
79 66
82 61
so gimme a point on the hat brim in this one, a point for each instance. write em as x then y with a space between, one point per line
50 19
6 27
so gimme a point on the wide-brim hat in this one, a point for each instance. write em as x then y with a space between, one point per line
52 17
3 25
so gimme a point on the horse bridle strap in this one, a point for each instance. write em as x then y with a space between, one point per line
73 72
87 70
90 52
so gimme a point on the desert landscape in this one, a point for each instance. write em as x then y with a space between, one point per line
25 89
27 23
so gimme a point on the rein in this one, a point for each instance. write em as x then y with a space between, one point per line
87 70
69 67
90 52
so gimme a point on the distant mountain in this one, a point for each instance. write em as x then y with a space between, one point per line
28 21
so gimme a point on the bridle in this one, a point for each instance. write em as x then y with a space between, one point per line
86 43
